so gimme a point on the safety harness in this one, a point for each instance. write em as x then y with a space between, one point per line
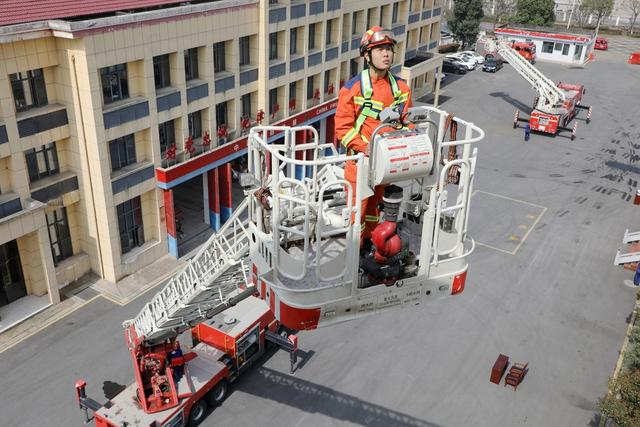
370 107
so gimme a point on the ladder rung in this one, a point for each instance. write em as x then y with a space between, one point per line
631 237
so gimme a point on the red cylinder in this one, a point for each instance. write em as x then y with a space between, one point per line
636 200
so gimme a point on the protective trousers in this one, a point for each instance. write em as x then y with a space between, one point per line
370 212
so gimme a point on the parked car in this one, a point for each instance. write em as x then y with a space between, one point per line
450 65
479 58
468 62
601 43
491 65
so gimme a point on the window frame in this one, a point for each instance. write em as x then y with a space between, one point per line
273 46
293 41
244 46
311 39
222 110
245 104
47 156
194 121
29 82
118 74
130 224
191 64
394 12
59 234
547 47
125 151
310 87
327 34
219 57
166 131
162 71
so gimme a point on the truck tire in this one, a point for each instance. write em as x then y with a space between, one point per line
218 393
197 413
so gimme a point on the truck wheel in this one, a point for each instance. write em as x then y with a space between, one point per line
218 393
197 413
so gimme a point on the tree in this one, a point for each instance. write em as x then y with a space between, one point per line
465 20
599 8
500 8
621 403
633 6
535 12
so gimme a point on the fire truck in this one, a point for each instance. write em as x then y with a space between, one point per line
555 105
289 259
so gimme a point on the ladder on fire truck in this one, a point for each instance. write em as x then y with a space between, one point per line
550 97
208 282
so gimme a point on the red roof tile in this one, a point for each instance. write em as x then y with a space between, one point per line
20 11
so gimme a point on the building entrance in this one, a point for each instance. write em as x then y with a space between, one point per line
12 286
191 229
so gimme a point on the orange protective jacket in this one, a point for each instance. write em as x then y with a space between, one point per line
347 111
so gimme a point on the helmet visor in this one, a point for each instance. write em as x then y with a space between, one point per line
381 36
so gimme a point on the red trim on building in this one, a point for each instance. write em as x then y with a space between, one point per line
228 149
169 213
541 35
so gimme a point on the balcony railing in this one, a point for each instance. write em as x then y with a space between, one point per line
125 111
139 173
54 187
9 204
196 90
167 99
41 119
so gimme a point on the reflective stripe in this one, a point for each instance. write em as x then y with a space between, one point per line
369 218
370 107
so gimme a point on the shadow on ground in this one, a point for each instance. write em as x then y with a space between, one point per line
508 99
306 396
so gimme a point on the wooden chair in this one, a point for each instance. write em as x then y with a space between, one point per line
516 375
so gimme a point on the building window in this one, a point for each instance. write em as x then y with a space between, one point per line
195 124
122 152
114 83
11 280
59 235
354 23
327 80
221 113
565 49
219 62
273 46
161 71
191 64
312 36
293 43
292 90
547 47
130 224
29 89
244 51
394 12
273 100
167 135
368 19
328 34
309 87
353 67
42 162
245 104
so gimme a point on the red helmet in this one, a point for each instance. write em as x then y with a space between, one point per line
376 36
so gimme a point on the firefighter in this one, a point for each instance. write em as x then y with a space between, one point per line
176 359
360 102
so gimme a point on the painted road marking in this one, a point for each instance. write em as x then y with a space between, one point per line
529 228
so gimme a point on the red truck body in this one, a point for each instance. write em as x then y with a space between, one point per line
549 123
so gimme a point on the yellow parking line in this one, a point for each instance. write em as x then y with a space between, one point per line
520 226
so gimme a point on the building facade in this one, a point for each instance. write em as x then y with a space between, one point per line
104 114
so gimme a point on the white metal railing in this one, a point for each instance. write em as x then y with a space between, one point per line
291 190
207 280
